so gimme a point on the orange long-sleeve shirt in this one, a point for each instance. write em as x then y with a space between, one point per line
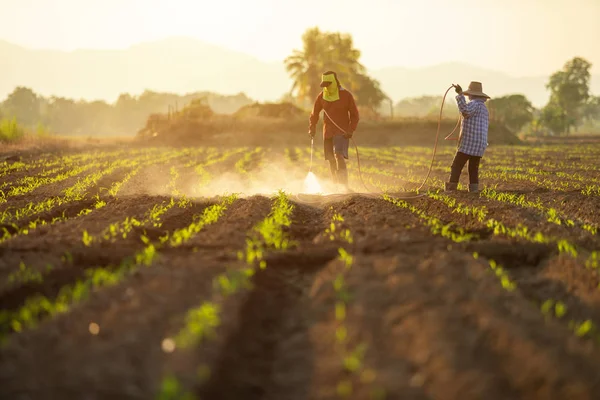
343 111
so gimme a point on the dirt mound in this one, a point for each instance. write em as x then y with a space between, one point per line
286 111
281 124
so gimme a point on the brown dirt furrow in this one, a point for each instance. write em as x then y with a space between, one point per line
226 166
151 179
187 178
552 277
572 204
379 229
422 331
49 158
501 184
133 317
262 348
188 182
508 185
106 254
55 190
14 179
436 177
69 210
511 216
51 241
104 184
267 352
439 325
56 162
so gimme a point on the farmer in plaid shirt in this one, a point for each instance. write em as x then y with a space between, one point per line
472 141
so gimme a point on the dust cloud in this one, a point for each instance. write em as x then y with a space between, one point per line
265 179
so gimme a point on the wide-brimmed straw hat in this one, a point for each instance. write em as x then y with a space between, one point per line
475 89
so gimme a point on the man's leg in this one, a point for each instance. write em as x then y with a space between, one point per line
333 169
342 171
460 159
330 156
474 173
340 149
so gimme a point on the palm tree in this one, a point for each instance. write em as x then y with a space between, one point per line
322 51
343 57
305 66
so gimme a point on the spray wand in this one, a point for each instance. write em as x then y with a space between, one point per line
312 146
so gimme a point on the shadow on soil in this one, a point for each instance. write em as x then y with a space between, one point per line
514 255
269 354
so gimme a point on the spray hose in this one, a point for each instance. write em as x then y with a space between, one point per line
437 135
369 192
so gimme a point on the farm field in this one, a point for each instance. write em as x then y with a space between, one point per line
170 273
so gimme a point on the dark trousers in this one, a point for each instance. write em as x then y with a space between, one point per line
460 159
339 172
336 152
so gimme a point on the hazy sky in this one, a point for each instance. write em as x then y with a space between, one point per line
520 37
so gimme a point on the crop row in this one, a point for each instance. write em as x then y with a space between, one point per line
580 328
49 162
551 214
518 231
201 322
71 194
38 306
352 358
411 165
113 231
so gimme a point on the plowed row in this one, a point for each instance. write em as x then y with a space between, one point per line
186 273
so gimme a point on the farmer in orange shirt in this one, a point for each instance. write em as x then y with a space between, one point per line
340 120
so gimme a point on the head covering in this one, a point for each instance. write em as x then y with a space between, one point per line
329 83
475 89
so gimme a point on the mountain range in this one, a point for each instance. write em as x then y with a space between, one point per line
184 65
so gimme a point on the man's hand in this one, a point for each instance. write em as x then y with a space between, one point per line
311 133
457 88
348 135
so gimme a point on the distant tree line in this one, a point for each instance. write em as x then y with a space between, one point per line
124 117
570 107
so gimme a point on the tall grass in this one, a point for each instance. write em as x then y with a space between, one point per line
10 130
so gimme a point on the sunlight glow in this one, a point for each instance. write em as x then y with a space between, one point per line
384 24
311 184
168 345
94 328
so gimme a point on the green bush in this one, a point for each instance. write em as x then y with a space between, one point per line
10 131
42 131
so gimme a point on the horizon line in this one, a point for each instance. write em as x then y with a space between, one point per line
218 46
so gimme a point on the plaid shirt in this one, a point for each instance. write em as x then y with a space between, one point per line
474 128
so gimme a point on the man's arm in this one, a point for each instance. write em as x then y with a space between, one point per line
314 115
353 112
467 110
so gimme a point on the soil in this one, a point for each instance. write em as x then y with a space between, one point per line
429 317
